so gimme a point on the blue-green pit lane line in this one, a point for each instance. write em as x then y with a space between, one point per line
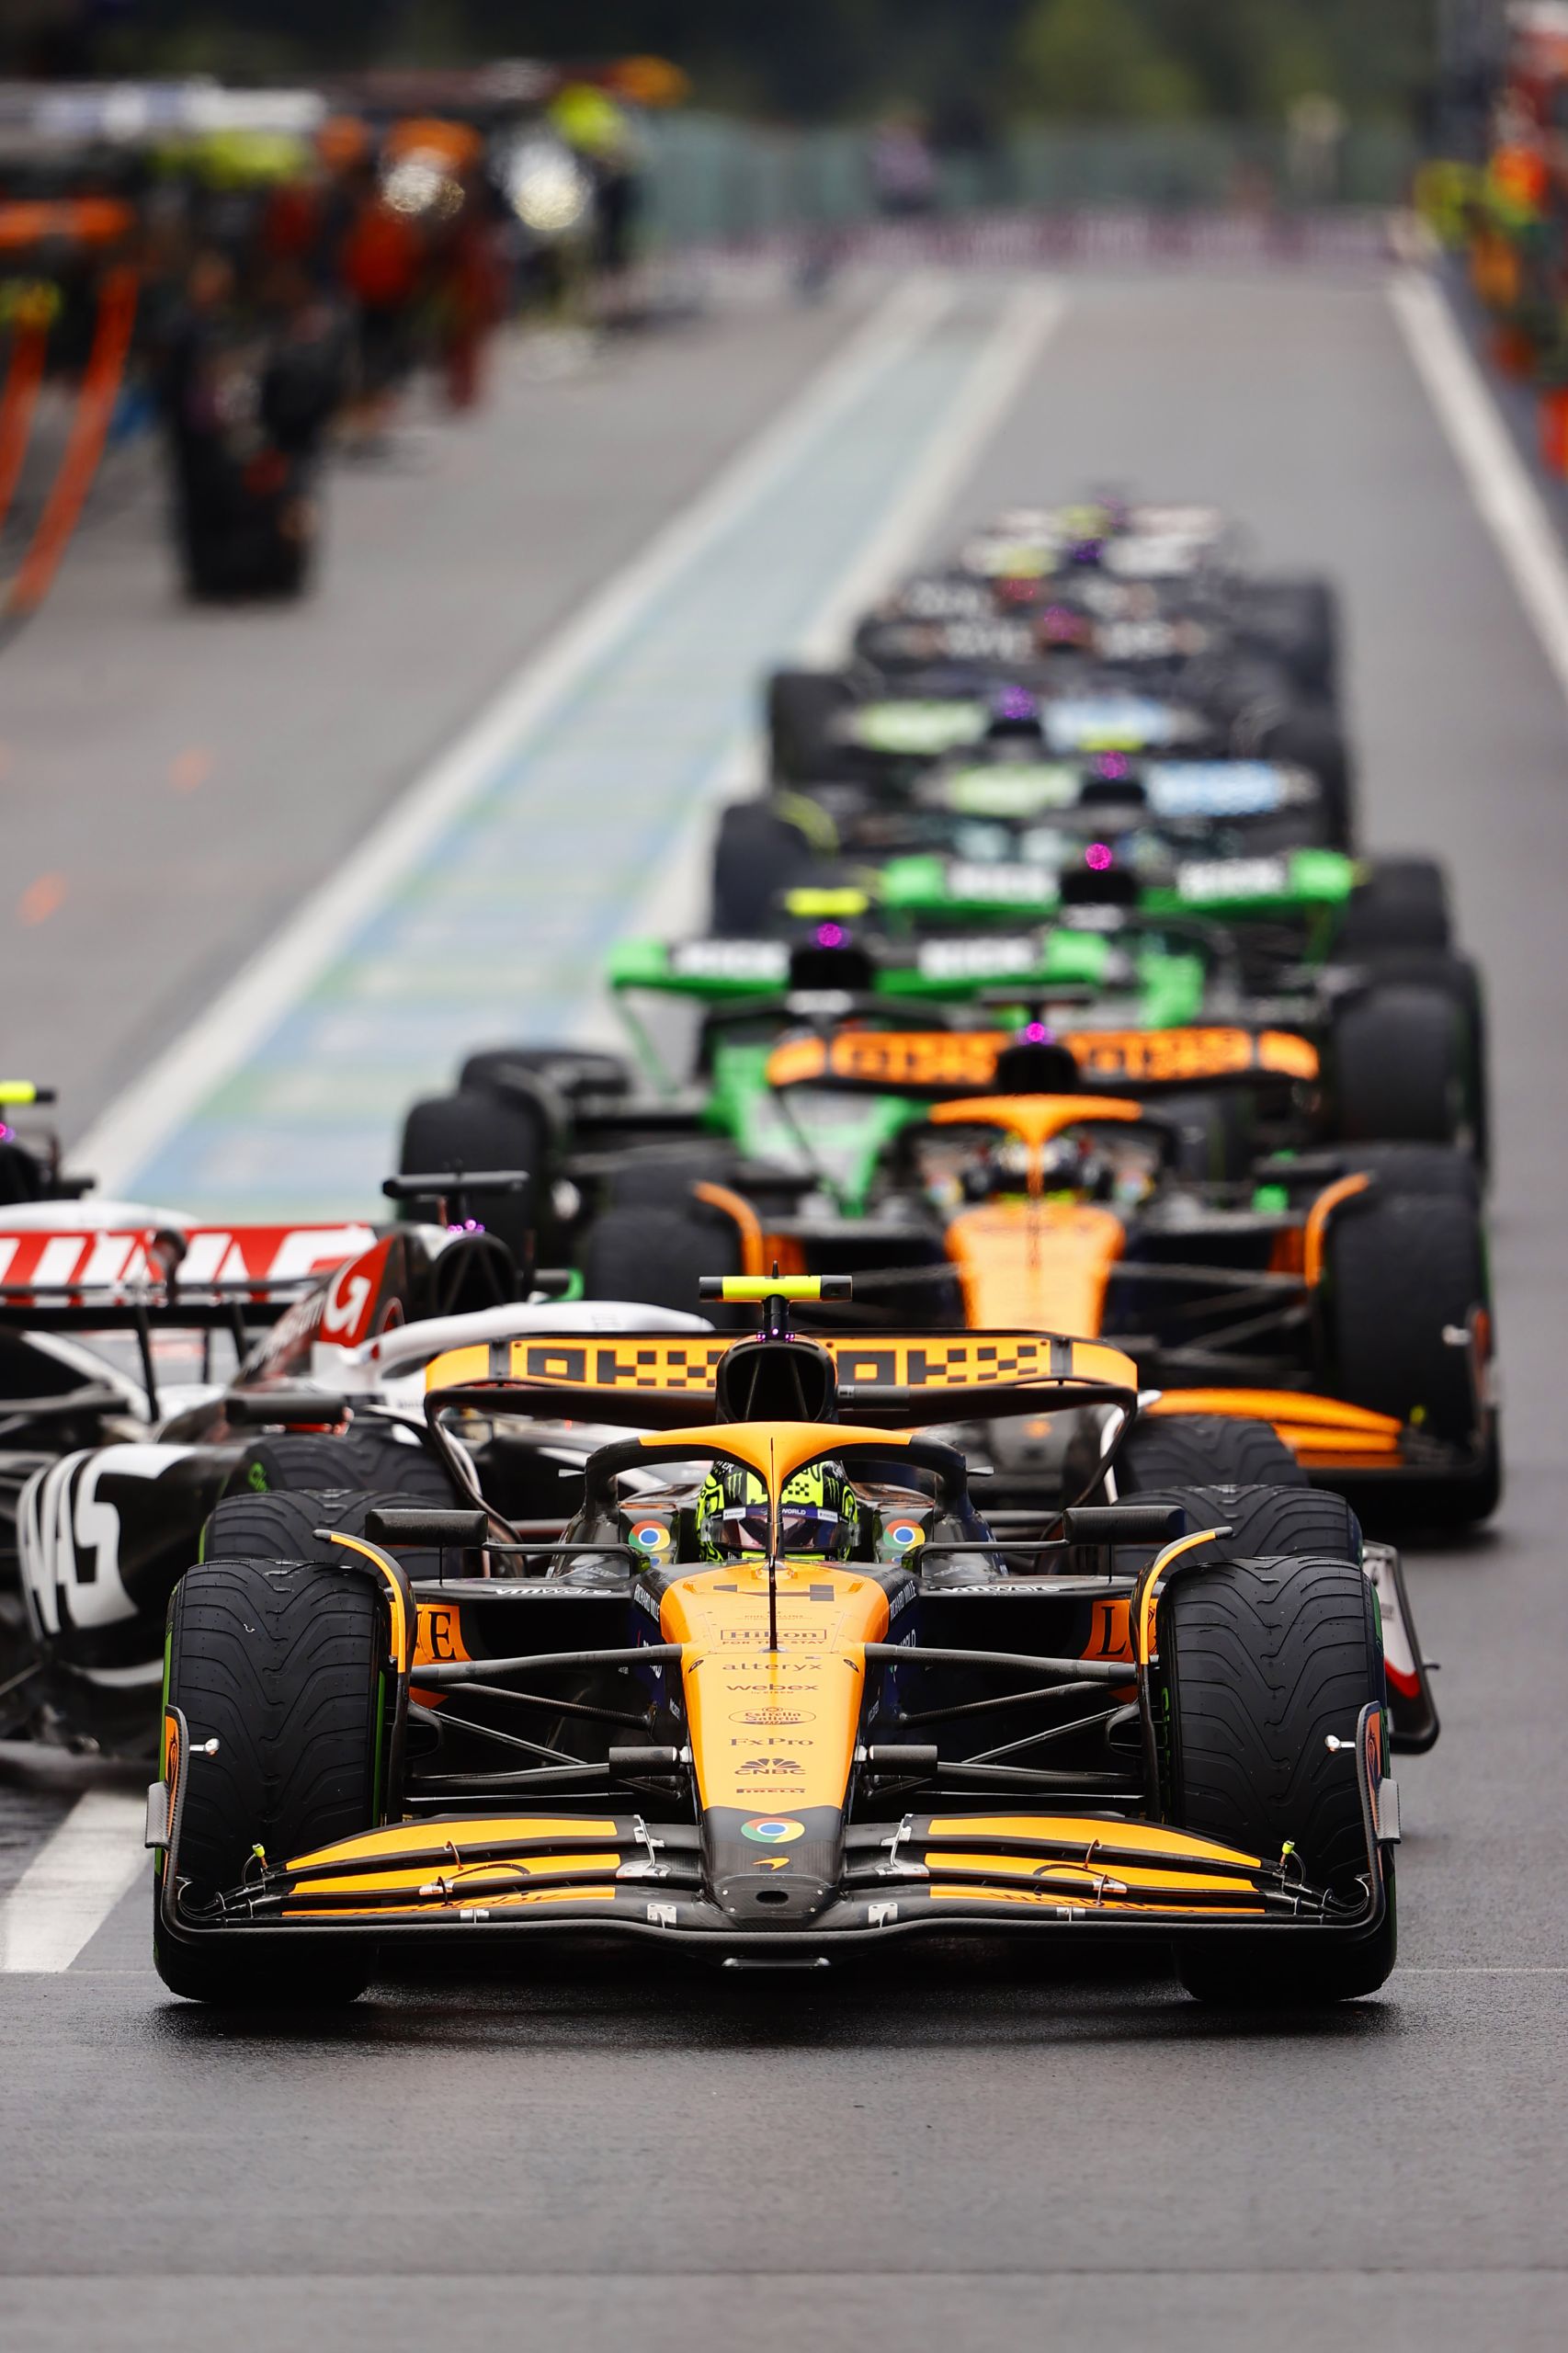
499 927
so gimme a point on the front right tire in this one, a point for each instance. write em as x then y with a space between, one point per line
1262 1662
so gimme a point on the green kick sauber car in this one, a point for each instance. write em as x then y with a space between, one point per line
1248 942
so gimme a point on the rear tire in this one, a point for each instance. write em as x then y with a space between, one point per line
1404 903
661 1176
757 856
282 1526
365 1459
1397 1273
801 707
282 1665
1204 1450
571 1070
657 1256
484 1132
1219 1132
1401 1067
1316 742
1298 621
1262 1660
1438 1169
1457 977
1274 1523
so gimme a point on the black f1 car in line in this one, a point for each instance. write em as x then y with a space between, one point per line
778 1693
1135 627
1158 580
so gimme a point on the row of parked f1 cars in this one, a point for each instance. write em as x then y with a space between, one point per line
918 1444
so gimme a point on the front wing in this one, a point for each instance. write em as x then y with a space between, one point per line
489 1877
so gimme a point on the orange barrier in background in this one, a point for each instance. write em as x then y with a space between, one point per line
89 428
18 398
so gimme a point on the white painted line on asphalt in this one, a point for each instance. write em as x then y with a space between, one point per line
73 1883
1507 500
937 472
140 1120
677 898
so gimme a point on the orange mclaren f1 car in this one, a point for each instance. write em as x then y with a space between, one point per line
1339 1297
778 1691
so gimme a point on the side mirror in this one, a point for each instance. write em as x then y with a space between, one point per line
258 1408
1124 1523
457 1529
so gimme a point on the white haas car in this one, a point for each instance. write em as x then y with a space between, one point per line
163 1380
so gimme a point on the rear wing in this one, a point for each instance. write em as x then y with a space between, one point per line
940 1064
1292 883
104 1277
1015 792
651 1381
717 971
756 974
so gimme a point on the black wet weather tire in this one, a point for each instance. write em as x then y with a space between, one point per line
1204 1450
1402 1066
1247 1972
1458 978
1217 1133
1262 1663
802 706
657 1255
281 1525
661 1176
1401 1277
1434 1168
231 1981
367 1459
1277 1523
1299 622
571 1070
1316 741
485 1132
758 856
283 1666
1402 904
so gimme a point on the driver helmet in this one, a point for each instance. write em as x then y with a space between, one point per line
819 1515
1004 1167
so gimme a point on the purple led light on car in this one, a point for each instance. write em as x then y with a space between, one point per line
1037 1034
1098 857
1112 768
830 935
1014 702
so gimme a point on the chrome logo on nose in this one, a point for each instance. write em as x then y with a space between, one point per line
772 1830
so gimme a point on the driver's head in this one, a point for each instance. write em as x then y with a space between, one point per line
819 1518
1065 1165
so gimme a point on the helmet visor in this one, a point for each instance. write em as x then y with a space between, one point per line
807 1530
738 1527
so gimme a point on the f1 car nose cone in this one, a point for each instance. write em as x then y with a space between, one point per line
767 1871
760 1898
